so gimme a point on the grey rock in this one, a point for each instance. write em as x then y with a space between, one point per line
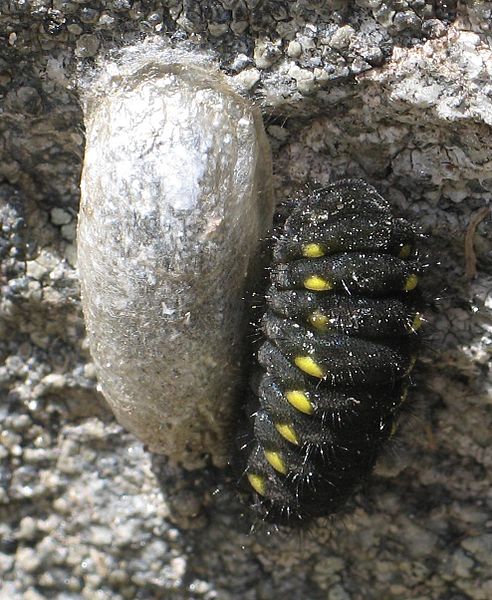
341 38
60 216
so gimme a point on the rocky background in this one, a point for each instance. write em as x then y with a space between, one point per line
398 92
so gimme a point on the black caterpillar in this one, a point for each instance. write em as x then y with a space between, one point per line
340 327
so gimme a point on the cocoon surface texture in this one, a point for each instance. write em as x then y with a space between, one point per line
176 194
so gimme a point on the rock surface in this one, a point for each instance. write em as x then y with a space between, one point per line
393 91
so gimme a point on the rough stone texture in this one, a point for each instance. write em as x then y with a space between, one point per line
394 91
176 196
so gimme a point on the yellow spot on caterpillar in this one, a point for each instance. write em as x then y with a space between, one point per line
317 283
411 283
313 250
394 429
319 320
288 432
257 482
300 401
417 322
309 366
276 460
405 251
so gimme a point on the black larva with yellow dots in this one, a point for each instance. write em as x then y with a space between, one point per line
340 327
